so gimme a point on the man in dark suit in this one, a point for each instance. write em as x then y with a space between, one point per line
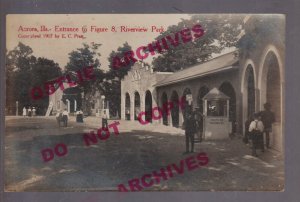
190 129
268 118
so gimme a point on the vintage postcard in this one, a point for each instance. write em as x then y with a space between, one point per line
144 102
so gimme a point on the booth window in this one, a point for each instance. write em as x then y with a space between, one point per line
216 108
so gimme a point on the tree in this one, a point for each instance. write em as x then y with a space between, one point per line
85 57
23 72
122 71
259 30
221 31
112 85
18 64
43 70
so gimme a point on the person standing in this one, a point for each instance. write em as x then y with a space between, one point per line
65 117
127 114
256 129
190 130
79 116
104 119
33 111
24 111
268 118
29 111
59 117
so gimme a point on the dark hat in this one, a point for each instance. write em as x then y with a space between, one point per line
267 105
257 115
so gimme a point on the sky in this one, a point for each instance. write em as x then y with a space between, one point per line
57 49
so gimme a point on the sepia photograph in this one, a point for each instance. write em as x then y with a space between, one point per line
144 102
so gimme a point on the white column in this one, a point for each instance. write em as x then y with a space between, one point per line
228 109
75 105
123 110
68 105
205 118
181 119
132 108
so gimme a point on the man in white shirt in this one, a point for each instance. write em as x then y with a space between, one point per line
256 129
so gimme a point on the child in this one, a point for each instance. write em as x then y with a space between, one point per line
256 129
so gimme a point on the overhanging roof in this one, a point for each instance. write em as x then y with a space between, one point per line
218 64
215 94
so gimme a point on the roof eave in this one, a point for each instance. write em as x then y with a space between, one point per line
231 67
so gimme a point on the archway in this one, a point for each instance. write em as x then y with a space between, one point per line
228 90
127 106
175 110
164 100
271 92
148 106
250 90
137 105
273 86
201 93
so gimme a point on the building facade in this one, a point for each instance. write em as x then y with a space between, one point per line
73 99
249 82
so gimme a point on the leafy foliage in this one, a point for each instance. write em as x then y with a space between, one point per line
24 71
112 85
78 60
221 31
259 30
122 71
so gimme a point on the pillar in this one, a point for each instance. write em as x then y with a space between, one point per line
132 108
181 119
68 105
75 105
123 112
142 103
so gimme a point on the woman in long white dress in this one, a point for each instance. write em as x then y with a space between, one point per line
24 111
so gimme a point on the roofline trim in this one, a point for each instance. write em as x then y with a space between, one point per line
196 76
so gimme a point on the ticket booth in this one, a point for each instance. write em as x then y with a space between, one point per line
216 113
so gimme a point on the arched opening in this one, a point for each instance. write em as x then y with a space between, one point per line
250 90
272 79
228 90
73 101
137 105
186 104
201 93
175 110
127 106
148 106
164 100
271 92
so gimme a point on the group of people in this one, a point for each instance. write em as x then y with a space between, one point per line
62 116
31 111
257 126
